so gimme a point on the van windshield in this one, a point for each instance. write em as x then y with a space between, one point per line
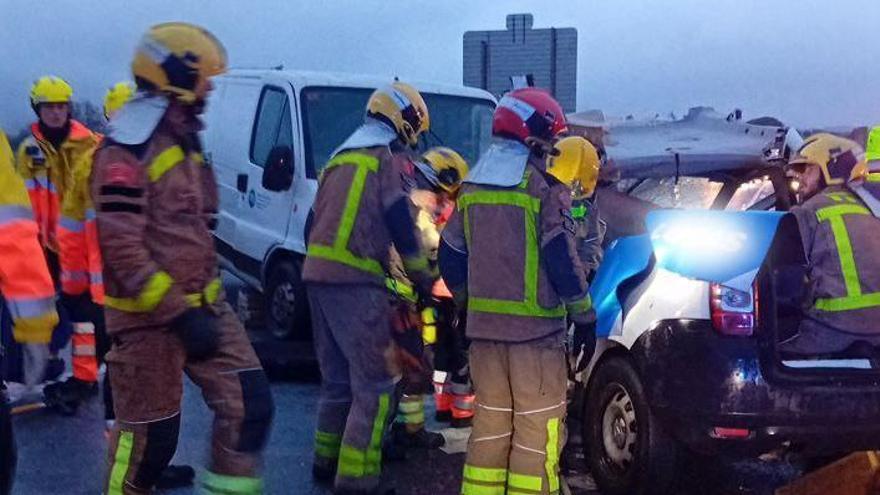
331 114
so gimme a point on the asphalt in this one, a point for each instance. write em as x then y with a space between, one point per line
67 455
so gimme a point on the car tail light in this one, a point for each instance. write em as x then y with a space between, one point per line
733 311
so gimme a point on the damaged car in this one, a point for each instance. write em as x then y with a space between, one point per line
703 277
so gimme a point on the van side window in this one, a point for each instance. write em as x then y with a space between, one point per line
272 126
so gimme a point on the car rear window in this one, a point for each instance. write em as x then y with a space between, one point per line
667 192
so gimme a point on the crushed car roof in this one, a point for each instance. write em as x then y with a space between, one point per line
700 144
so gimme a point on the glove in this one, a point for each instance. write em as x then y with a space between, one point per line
198 330
79 308
583 344
36 360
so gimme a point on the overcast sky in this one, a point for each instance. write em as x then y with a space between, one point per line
809 62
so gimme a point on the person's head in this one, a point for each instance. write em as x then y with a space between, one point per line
575 162
826 160
530 116
50 99
117 96
447 169
175 61
401 107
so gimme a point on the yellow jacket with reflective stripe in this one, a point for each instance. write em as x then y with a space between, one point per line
79 255
48 173
841 242
24 277
154 214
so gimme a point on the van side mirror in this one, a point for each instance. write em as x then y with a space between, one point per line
278 173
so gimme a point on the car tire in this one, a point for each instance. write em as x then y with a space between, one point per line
626 449
287 309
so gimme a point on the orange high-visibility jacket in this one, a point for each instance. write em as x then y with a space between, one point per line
24 277
57 182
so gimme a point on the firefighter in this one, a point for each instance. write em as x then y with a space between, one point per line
28 293
166 313
361 209
509 254
438 176
78 238
840 229
576 163
116 97
453 393
56 155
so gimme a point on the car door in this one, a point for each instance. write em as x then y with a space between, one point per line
265 214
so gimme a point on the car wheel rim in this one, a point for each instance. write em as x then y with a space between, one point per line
619 429
283 304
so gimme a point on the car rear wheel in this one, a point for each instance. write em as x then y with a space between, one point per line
627 451
287 310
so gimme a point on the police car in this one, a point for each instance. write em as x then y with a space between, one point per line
691 301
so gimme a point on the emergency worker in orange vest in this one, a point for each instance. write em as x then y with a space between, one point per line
28 294
55 161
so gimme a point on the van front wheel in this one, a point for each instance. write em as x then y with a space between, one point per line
287 314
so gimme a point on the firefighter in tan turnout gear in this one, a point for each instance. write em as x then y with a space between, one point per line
166 314
361 210
839 222
509 253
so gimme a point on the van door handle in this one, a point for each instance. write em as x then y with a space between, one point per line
241 183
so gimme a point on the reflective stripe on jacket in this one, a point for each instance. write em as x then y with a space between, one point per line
24 277
841 241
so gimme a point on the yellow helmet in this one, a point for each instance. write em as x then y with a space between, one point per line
178 58
872 150
448 166
401 107
116 96
840 159
50 89
576 164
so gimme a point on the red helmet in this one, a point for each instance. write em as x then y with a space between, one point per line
528 112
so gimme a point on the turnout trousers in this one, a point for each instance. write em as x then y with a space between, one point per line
146 372
359 370
518 424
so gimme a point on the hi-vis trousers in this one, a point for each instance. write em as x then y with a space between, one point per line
518 426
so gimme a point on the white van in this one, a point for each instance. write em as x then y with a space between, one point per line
269 133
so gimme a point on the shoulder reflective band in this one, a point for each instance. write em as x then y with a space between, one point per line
151 295
164 162
531 206
339 252
854 298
